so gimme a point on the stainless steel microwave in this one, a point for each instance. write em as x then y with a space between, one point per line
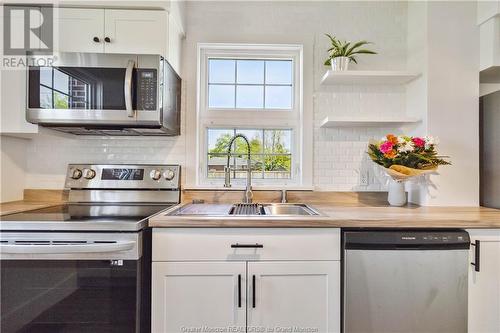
105 94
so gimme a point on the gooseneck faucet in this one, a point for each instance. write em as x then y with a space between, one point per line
227 169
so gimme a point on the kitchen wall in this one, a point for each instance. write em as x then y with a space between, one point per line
339 154
12 168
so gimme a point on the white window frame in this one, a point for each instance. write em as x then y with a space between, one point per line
250 118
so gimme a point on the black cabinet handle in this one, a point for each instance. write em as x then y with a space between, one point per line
254 246
253 291
477 255
107 40
96 39
239 290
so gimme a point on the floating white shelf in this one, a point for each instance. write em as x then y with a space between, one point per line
365 122
368 77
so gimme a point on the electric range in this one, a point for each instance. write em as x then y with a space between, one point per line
85 265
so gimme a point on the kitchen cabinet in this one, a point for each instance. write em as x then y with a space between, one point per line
120 31
265 279
79 30
136 31
111 30
484 284
13 87
198 294
303 295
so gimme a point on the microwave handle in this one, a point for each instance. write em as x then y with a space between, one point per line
128 88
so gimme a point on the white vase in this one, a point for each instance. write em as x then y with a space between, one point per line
397 194
340 63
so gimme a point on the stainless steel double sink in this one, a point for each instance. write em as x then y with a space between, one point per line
242 209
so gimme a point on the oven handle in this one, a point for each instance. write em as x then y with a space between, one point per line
66 249
127 86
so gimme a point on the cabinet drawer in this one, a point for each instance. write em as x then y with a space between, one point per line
230 244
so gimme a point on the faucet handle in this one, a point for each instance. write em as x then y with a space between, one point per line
227 176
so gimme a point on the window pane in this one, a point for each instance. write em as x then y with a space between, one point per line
250 71
250 97
220 96
278 97
277 166
215 165
45 98
279 72
221 71
277 141
60 101
218 140
255 138
46 76
61 81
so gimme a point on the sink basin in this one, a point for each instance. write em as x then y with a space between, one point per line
255 209
289 210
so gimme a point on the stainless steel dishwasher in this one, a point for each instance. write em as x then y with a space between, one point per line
405 281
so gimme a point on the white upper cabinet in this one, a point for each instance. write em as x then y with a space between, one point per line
304 295
136 31
13 85
484 282
79 30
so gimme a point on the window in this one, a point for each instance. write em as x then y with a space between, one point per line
271 156
59 90
255 90
250 83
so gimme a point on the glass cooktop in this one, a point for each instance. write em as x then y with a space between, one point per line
73 217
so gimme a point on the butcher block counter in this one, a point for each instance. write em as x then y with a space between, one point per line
338 216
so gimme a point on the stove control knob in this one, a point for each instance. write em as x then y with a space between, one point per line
155 174
88 173
169 174
75 173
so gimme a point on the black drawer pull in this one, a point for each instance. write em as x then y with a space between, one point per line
96 39
253 291
252 246
477 255
239 290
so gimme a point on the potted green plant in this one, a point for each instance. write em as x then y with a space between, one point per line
341 53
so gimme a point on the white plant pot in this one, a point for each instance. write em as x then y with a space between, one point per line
340 63
397 194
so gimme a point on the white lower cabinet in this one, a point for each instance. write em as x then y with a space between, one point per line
241 281
191 295
294 296
484 285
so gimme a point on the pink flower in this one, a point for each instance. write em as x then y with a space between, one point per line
419 142
386 147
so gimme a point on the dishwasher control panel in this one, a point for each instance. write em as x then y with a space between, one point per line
405 239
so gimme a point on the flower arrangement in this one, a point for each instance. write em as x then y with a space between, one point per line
403 157
411 152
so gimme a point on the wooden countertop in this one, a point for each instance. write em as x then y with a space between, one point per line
20 206
339 216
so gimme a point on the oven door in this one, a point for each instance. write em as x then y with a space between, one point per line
73 282
93 89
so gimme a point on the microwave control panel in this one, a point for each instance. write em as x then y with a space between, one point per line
147 89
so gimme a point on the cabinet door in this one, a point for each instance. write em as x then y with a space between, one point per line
13 80
484 286
198 294
76 29
136 31
302 295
